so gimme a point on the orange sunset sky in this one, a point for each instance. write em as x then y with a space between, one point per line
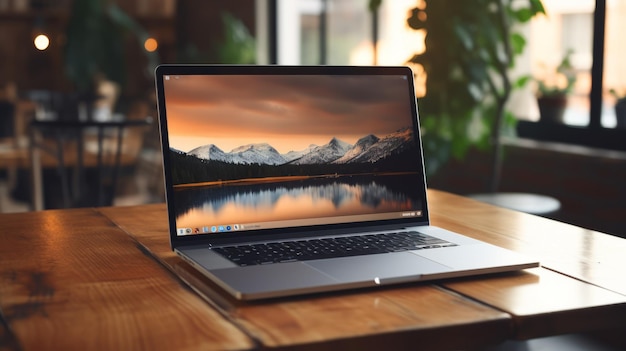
288 112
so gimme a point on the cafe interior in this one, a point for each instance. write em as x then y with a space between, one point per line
79 121
524 107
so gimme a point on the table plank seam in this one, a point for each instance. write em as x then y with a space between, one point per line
184 283
453 291
582 280
196 288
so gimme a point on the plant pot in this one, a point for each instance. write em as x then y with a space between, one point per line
620 113
552 108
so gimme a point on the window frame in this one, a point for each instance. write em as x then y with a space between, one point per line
594 134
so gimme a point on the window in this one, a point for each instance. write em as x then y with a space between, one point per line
614 65
590 118
343 32
321 31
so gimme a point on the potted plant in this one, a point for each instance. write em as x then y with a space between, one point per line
470 49
620 108
553 89
95 44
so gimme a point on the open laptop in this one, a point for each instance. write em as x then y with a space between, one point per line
285 180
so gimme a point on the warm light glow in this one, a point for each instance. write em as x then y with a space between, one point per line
42 42
150 44
398 42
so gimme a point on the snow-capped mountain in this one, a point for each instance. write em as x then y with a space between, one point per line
257 153
247 154
386 146
210 152
361 146
292 155
324 154
368 149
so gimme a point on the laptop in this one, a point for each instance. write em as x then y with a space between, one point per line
290 180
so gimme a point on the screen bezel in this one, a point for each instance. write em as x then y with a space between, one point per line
266 234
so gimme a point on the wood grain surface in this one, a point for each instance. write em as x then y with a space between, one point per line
72 280
370 319
587 255
106 278
580 287
365 319
543 301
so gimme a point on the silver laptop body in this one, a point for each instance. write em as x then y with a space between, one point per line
267 166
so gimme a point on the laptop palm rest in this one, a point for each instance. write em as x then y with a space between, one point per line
267 280
320 275
364 268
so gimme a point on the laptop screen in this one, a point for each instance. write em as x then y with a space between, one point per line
255 152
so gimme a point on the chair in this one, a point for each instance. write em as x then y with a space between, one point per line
536 204
9 154
7 119
93 151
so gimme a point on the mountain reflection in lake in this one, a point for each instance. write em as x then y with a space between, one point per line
301 199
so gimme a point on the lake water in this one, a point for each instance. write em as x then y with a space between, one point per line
199 207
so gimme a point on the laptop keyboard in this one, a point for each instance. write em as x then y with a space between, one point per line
314 249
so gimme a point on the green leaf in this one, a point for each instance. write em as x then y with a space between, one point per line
518 42
537 7
238 46
522 81
523 14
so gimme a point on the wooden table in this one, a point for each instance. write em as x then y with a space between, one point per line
105 278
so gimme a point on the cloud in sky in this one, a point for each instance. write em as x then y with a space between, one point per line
289 112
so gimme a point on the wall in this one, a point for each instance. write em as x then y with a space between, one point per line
30 69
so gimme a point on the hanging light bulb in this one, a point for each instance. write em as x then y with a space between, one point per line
41 42
151 44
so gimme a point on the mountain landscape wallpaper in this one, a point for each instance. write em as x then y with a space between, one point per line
220 126
370 154
325 145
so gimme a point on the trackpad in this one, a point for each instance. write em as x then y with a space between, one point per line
362 268
282 276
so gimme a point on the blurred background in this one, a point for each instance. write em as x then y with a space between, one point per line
522 96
